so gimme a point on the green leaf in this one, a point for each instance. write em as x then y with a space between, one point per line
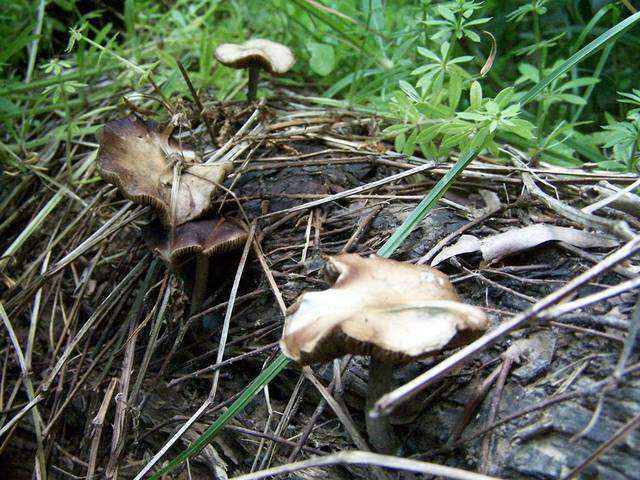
428 149
529 72
577 83
410 145
399 142
409 91
428 134
502 99
323 58
425 52
435 111
454 140
479 139
471 35
492 107
473 116
573 99
477 21
446 13
511 111
475 95
521 130
613 166
461 59
8 108
394 130
455 90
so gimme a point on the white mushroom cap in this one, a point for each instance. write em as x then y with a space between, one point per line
271 56
381 307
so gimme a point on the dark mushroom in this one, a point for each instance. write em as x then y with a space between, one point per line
139 158
194 244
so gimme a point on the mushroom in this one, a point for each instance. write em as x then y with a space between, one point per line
256 54
200 238
392 311
139 158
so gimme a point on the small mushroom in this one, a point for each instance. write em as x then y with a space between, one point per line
139 158
256 54
392 311
203 239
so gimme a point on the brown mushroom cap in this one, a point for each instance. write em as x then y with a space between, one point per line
138 158
207 237
270 56
379 307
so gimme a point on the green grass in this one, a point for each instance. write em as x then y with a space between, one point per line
369 47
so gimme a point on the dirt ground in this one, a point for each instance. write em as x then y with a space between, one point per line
554 377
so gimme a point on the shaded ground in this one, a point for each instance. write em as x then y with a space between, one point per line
294 152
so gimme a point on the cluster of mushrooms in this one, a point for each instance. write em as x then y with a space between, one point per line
151 168
391 311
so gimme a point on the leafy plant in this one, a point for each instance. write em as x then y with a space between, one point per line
62 90
432 116
623 137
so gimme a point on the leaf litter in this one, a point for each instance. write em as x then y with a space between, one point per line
78 294
513 241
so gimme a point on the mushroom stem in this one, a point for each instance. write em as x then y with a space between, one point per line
381 436
254 75
201 282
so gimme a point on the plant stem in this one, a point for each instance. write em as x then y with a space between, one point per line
379 429
200 286
67 115
252 91
540 57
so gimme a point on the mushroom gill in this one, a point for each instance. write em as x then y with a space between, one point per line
207 237
190 248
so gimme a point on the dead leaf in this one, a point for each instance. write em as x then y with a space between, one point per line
521 239
492 56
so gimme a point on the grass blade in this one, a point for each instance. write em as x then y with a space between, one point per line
251 391
328 20
580 55
426 205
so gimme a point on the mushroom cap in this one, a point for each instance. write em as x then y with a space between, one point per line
380 307
207 237
271 56
138 158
